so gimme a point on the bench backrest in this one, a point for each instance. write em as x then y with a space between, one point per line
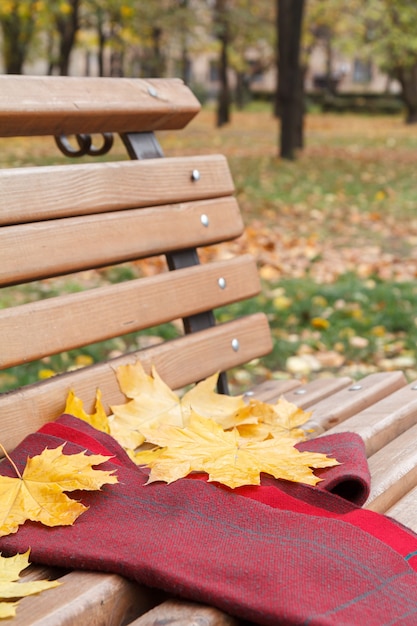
60 219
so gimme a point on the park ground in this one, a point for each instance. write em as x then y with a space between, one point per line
334 233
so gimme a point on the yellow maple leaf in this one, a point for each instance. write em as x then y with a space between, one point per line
153 402
74 406
38 493
228 458
272 420
10 587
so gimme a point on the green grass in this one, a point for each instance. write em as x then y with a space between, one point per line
351 326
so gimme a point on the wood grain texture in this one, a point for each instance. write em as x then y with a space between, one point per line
354 398
303 395
271 390
56 247
56 105
32 194
394 471
38 329
405 510
88 598
179 362
385 419
182 613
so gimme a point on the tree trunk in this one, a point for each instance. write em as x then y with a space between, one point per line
67 26
290 91
158 59
222 33
101 38
17 34
242 92
407 77
185 63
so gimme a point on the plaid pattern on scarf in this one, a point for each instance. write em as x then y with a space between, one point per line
281 553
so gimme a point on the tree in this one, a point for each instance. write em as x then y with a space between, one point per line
222 33
390 36
59 22
18 23
290 91
252 50
240 26
385 34
67 25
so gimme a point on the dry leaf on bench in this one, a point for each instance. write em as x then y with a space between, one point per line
98 419
38 494
10 569
282 419
153 402
205 431
228 458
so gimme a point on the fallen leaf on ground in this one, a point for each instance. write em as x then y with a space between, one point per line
10 569
228 458
38 493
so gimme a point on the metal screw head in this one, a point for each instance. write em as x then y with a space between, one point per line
205 220
195 175
222 282
300 392
355 388
152 92
235 344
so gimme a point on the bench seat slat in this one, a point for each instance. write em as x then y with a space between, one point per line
37 193
301 395
38 329
34 105
179 362
394 471
72 244
83 598
384 420
405 510
353 399
179 613
271 390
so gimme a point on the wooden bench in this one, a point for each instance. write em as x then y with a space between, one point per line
60 219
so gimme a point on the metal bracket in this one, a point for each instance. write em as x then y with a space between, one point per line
85 145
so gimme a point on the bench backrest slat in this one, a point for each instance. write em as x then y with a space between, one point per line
37 105
38 329
57 247
38 193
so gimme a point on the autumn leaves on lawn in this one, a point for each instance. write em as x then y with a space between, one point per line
229 439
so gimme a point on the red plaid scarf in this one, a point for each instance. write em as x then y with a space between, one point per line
286 554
